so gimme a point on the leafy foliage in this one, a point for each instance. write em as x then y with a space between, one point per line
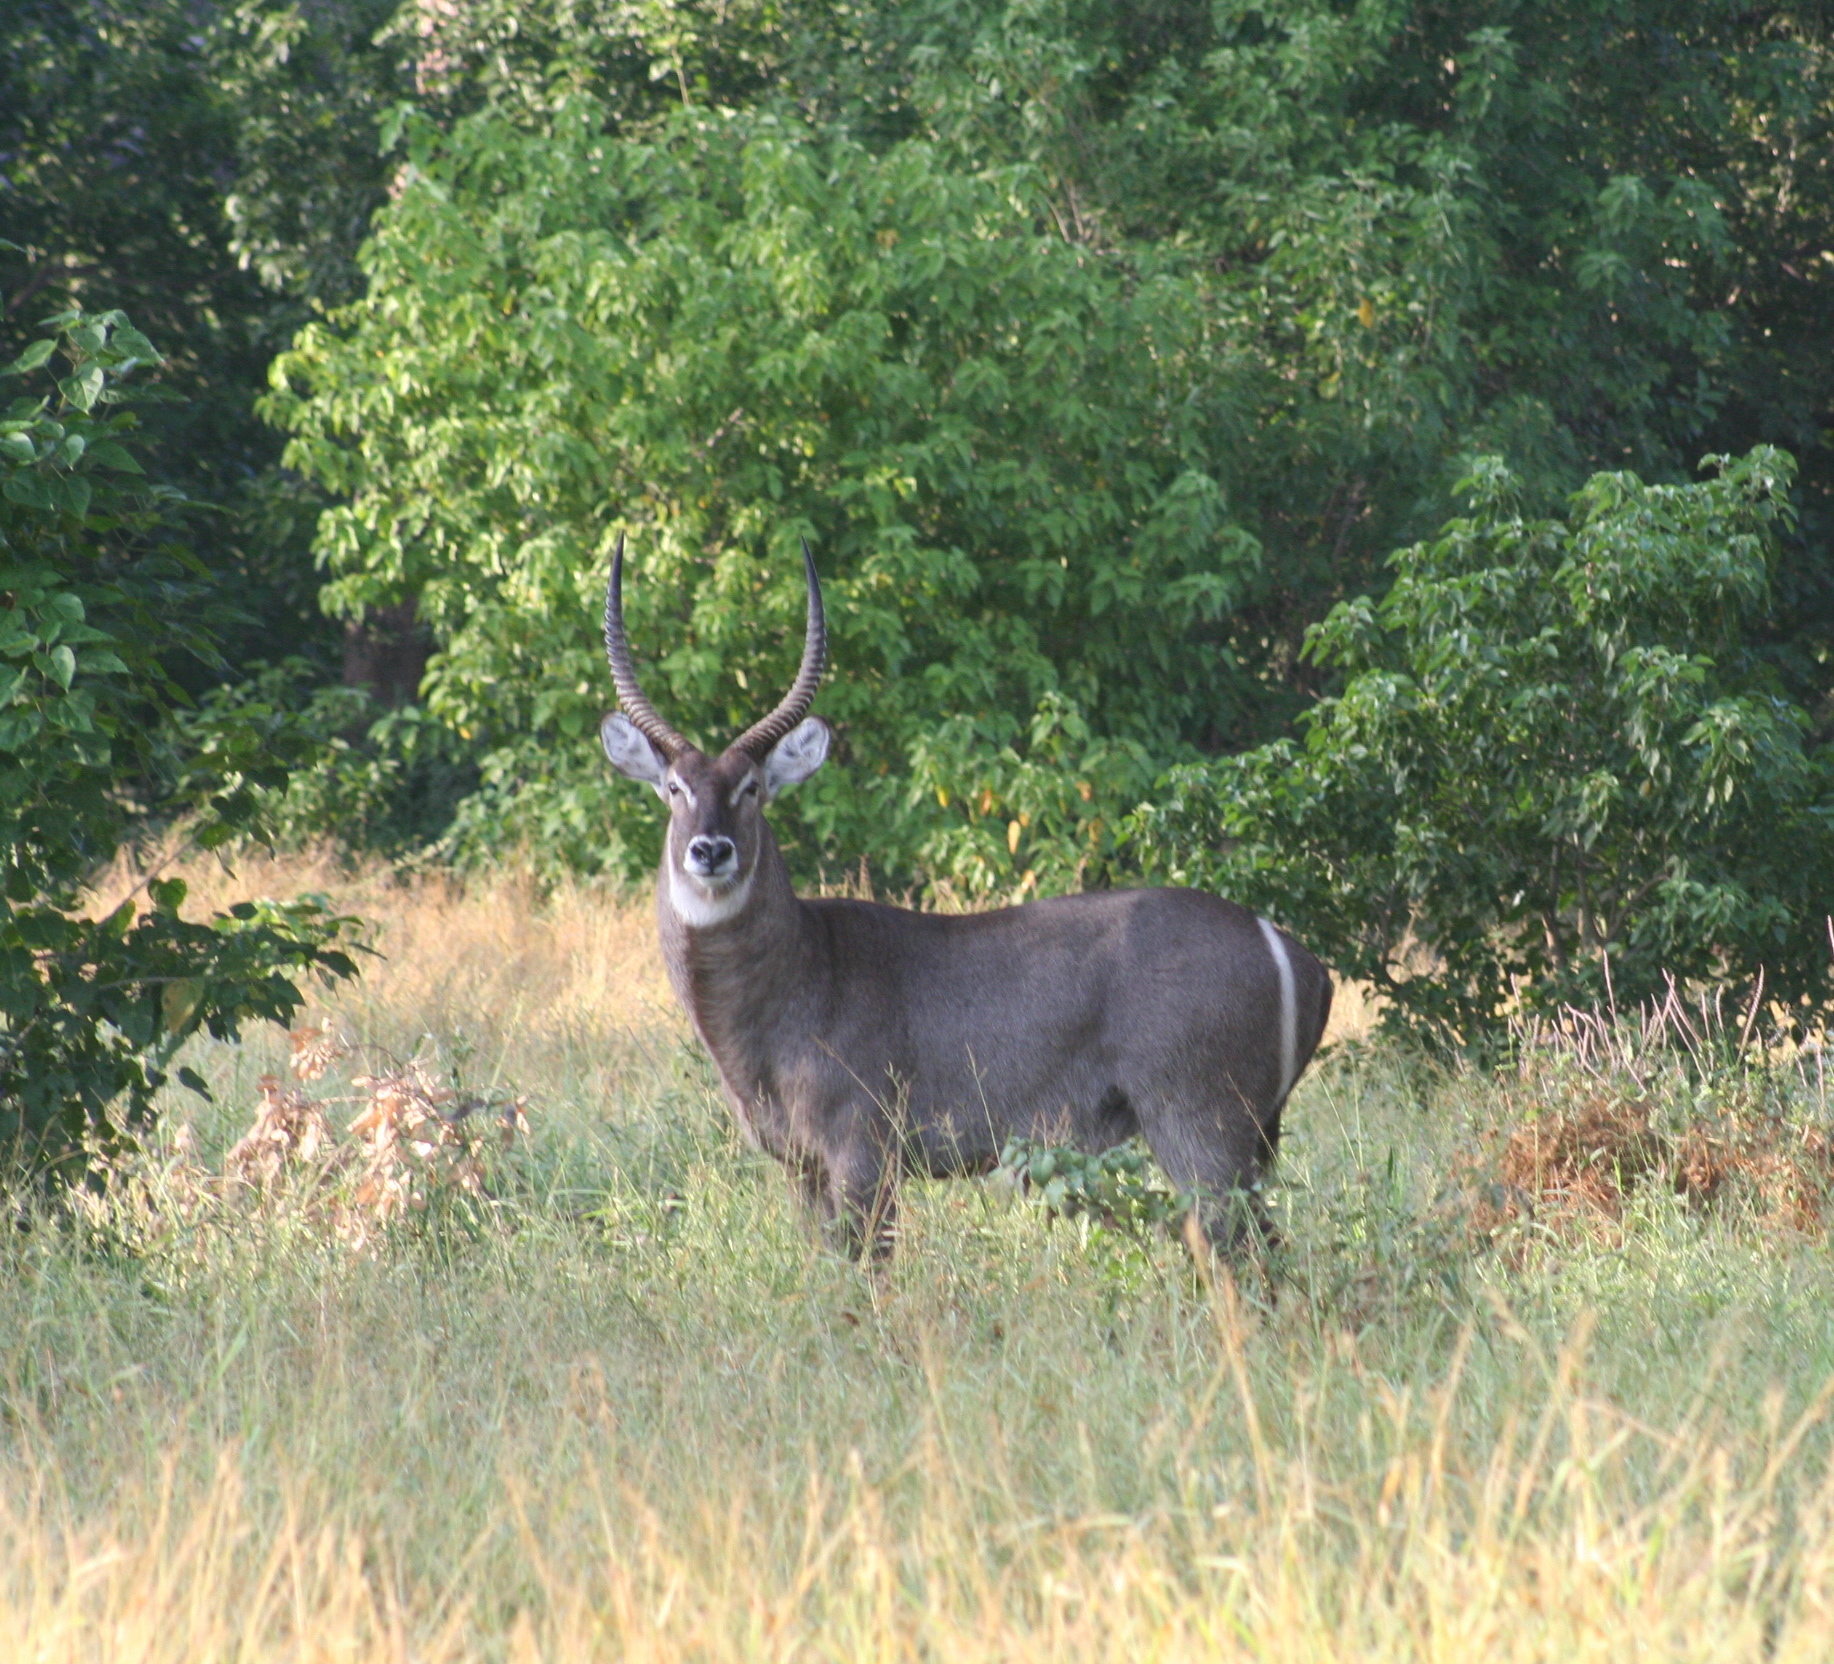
100 603
1120 1186
308 87
1096 350
383 781
1570 232
1577 233
725 340
126 126
1556 768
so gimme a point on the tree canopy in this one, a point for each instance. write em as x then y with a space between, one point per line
1096 352
1099 351
737 335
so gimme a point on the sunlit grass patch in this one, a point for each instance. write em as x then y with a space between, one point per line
620 1403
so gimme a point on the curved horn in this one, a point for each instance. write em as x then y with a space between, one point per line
758 739
640 711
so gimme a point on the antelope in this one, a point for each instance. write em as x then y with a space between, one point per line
859 1043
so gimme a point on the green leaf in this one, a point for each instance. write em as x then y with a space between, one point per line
59 664
18 728
108 453
70 494
30 490
130 342
30 359
84 388
18 447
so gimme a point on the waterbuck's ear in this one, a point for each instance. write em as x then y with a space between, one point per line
797 755
632 754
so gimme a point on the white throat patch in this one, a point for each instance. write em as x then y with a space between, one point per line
699 912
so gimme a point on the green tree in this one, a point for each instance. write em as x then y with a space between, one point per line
1556 771
1580 234
737 335
125 128
100 604
307 88
1312 260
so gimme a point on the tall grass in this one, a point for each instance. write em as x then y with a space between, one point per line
625 1408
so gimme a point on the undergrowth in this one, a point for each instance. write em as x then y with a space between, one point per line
337 1369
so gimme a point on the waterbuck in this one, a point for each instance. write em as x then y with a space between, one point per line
857 1042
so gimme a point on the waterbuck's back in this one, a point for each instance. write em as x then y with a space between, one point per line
1088 1017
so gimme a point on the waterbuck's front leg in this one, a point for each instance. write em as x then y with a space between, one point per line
858 1204
852 1202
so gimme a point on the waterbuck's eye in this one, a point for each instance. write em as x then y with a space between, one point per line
674 788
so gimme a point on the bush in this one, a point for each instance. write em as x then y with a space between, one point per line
100 604
1558 769
384 781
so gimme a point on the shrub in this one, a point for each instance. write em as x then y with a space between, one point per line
100 605
1558 769
1122 1187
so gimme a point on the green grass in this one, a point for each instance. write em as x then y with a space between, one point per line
629 1408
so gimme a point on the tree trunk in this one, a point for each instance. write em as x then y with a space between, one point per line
387 653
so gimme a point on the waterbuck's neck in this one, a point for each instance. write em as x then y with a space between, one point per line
733 966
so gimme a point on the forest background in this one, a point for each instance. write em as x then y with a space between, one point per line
1099 352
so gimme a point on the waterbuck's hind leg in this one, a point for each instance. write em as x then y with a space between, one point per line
1220 1152
1236 1224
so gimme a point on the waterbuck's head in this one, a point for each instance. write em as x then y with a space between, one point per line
716 822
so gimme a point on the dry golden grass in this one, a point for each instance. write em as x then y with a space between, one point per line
1597 1111
1355 1011
622 1407
492 946
1429 1555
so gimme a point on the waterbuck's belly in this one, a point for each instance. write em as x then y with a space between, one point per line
954 1080
948 1108
1030 1089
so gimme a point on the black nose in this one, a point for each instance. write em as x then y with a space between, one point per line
709 855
